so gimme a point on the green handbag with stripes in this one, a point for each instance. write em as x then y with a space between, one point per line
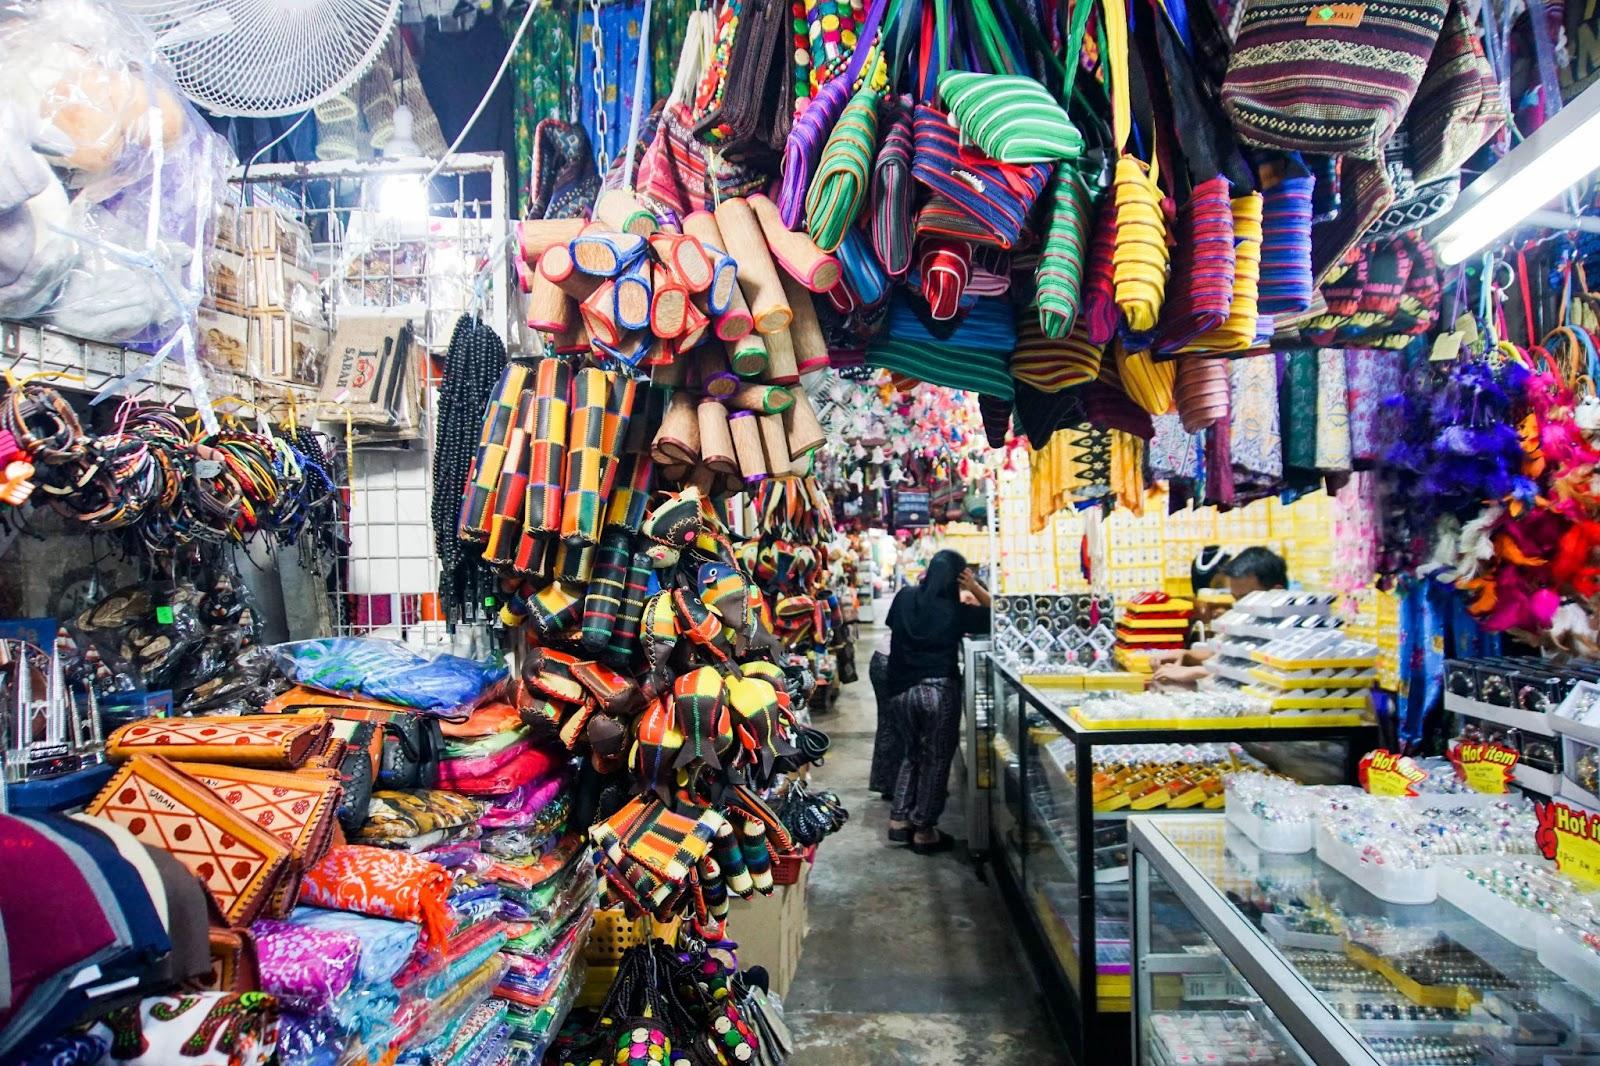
839 188
1007 114
1011 117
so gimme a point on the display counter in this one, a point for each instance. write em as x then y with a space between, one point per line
1245 956
1062 866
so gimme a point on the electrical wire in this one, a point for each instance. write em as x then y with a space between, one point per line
244 177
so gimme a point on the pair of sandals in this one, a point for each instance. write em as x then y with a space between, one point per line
943 842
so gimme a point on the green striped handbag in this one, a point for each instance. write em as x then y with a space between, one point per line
1010 116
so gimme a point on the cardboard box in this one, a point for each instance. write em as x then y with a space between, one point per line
277 284
771 931
227 282
264 229
224 339
287 349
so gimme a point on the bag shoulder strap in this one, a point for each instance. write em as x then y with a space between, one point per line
865 45
1115 58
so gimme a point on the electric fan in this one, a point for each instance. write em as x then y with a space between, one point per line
266 57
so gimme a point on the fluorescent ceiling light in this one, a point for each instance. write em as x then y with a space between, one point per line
1557 156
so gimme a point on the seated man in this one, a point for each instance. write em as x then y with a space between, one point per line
1252 570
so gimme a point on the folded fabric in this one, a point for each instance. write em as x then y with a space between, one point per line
488 719
479 747
386 884
396 815
522 806
389 671
306 968
386 944
239 861
198 1029
529 764
430 842
481 765
279 742
50 935
534 873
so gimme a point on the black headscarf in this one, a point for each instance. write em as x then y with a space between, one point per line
927 613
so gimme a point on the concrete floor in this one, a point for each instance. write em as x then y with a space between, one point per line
909 959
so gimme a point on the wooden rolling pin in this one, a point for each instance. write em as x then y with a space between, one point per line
758 274
716 439
600 314
711 372
781 366
686 257
549 309
702 226
762 399
696 326
669 303
619 210
678 439
775 442
805 332
603 252
535 236
746 429
557 265
671 375
748 355
805 432
796 253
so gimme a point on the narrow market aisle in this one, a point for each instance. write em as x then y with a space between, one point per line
908 959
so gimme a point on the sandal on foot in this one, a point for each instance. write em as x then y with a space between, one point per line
933 847
900 836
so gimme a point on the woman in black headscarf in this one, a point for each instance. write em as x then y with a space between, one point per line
926 625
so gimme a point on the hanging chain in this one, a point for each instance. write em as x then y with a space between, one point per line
602 123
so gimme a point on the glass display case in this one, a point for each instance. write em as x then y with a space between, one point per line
1250 957
977 740
1063 866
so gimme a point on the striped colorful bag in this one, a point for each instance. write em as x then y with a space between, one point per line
889 202
973 357
1140 258
1201 287
1059 278
839 189
811 131
1050 364
1147 382
1237 333
1006 113
996 196
1333 79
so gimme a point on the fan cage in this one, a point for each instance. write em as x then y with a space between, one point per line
280 57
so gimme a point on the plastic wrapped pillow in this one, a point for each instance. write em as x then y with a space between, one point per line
388 671
305 968
386 944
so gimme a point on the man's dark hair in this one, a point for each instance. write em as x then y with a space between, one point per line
1263 564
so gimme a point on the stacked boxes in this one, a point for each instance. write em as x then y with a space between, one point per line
262 313
288 327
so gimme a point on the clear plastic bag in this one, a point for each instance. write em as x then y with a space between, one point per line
108 177
388 671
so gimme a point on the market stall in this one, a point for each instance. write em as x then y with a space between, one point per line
447 452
